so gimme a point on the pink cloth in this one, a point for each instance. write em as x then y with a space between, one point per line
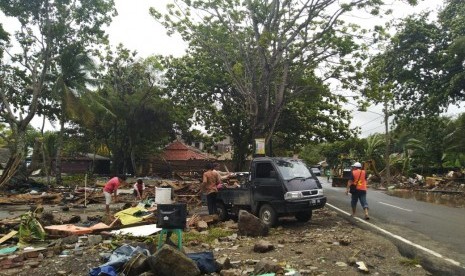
112 185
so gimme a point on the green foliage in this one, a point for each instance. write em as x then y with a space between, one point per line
200 87
311 154
313 116
47 29
353 147
422 67
30 228
454 153
134 118
410 262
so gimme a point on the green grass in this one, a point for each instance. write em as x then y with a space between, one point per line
410 262
213 233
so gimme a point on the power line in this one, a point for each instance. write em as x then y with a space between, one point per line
365 131
371 120
367 110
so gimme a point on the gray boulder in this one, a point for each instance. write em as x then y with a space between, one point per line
169 261
250 225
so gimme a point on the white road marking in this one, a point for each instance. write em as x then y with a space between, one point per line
408 210
427 250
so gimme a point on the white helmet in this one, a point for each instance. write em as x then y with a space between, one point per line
357 165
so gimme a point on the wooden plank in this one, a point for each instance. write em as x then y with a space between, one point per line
8 236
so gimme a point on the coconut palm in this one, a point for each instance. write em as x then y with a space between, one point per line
72 80
454 155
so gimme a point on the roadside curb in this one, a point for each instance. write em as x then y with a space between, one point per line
431 261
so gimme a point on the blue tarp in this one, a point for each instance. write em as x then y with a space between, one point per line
117 259
205 261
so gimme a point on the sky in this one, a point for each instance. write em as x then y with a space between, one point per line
137 30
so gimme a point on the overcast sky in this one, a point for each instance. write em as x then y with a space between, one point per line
137 30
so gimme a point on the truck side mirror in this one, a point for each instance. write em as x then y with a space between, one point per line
273 174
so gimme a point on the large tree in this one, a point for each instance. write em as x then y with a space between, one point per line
205 92
423 65
138 119
265 45
46 27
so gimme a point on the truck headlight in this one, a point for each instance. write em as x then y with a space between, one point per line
320 192
292 195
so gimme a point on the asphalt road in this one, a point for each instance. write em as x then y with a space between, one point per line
436 227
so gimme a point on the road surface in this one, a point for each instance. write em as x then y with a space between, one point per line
436 227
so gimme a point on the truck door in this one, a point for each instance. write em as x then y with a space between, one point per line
266 184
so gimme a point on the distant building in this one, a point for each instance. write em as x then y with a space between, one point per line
177 150
82 163
223 146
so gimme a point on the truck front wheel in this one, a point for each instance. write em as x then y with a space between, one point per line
268 215
304 216
222 212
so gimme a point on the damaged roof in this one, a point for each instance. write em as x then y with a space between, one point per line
177 150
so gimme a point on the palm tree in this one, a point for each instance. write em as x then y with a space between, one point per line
454 155
73 69
374 146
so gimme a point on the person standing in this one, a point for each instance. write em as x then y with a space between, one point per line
209 188
328 173
111 187
139 188
359 179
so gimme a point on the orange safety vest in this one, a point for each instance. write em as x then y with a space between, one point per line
360 179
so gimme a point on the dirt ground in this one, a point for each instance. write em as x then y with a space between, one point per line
326 245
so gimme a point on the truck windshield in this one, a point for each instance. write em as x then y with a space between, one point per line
291 169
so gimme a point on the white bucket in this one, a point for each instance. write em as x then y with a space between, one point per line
162 195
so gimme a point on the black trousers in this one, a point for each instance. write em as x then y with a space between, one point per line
211 203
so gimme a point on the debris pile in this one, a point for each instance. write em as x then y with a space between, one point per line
453 183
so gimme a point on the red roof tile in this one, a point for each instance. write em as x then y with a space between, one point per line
177 150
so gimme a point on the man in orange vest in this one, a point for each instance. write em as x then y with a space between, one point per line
359 179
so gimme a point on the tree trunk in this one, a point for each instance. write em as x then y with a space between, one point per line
61 134
132 156
239 158
387 153
35 158
45 159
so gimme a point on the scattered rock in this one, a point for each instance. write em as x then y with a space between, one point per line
170 261
267 266
202 225
94 240
250 225
345 241
224 263
352 261
70 239
362 267
231 272
74 219
341 264
136 265
263 246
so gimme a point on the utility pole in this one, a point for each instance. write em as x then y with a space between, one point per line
387 152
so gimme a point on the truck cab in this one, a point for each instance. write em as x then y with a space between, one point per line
277 186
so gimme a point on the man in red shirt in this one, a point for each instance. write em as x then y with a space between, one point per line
112 188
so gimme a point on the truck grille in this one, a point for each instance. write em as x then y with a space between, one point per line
310 193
